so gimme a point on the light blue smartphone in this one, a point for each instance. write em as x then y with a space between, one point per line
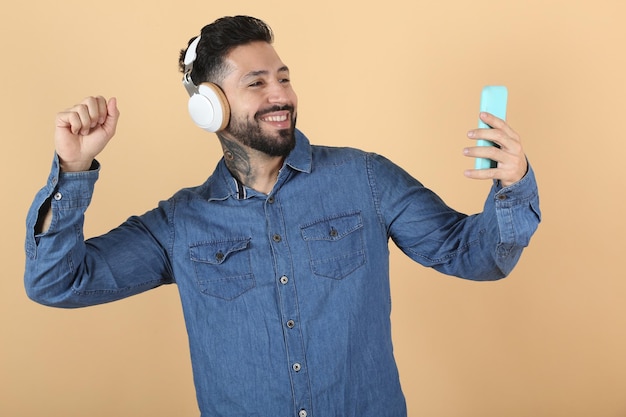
492 100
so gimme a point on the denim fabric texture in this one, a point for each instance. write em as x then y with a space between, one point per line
286 296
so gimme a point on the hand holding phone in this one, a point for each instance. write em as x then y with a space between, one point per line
493 99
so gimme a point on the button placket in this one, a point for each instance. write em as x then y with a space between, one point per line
288 304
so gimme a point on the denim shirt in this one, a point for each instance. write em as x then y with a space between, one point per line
286 296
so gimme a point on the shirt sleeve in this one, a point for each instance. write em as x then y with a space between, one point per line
483 246
65 270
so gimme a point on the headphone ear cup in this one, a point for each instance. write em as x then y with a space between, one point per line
209 108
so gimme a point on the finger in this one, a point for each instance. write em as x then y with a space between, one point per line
495 122
96 110
82 111
481 174
92 112
510 167
498 124
487 152
495 136
508 140
77 118
491 120
101 110
71 119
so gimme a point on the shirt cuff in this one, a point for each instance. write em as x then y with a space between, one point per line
523 190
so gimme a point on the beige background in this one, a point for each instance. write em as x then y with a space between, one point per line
399 77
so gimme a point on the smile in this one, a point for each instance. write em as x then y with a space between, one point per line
279 118
279 115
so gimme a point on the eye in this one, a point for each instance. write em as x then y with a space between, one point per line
284 80
256 84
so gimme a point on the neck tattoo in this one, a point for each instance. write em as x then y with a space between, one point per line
237 160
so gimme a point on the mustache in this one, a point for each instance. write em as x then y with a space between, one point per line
273 109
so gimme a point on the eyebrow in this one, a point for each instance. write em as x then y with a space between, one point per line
253 74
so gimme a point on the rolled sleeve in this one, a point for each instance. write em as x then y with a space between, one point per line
68 194
517 212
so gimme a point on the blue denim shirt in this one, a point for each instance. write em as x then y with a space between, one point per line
286 296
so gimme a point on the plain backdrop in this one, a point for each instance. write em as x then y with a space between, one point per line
401 78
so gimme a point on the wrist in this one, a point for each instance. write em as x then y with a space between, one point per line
75 166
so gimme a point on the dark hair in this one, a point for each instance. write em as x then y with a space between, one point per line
218 39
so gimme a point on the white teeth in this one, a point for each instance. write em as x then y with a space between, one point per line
276 118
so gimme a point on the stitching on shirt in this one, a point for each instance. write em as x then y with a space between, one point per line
371 180
451 254
131 288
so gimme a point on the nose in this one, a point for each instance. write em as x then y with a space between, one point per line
279 93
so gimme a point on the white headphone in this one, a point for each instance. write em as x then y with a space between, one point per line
208 106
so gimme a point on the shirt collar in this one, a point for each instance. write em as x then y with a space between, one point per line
223 185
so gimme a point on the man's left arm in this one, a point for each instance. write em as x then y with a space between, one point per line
483 246
514 198
515 211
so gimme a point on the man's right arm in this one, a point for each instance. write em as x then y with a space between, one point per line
81 132
65 270
54 232
62 268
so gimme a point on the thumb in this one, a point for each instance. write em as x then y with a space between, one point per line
113 115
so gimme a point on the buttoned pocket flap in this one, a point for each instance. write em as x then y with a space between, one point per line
217 252
334 228
223 268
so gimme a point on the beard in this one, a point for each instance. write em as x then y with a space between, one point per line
251 134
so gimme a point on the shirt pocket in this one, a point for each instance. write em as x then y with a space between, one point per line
335 245
223 268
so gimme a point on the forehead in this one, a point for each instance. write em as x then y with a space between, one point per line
255 57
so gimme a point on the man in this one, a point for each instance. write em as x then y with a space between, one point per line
281 256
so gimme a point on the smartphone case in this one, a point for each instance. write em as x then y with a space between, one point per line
493 99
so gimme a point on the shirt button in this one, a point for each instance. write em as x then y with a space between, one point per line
219 256
501 197
296 367
58 196
291 324
333 232
270 199
283 280
276 238
302 413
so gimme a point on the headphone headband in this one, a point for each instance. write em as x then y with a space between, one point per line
190 57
